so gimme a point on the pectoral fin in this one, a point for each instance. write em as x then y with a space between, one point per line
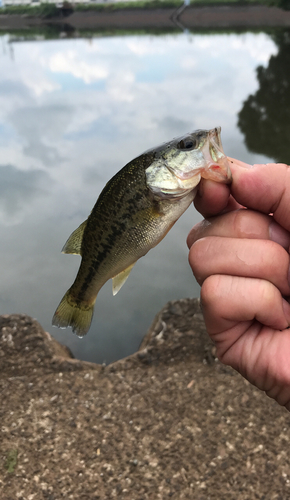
119 279
74 243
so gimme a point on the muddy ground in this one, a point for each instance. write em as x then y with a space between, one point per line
167 422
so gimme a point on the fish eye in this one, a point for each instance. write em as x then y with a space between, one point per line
187 144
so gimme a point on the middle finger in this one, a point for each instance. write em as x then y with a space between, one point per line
241 223
262 259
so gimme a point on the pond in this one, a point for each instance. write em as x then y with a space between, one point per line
73 112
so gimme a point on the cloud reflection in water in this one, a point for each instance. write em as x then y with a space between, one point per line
72 113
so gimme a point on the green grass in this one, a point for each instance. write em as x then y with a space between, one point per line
141 4
11 460
267 3
162 4
50 10
230 2
45 10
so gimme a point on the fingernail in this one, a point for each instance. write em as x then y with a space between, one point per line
279 235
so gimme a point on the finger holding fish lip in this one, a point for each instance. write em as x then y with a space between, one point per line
214 198
259 187
264 187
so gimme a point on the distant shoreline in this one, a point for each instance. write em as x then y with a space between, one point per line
223 16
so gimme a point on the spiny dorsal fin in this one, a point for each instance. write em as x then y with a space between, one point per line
119 279
74 243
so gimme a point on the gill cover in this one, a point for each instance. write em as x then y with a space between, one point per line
179 165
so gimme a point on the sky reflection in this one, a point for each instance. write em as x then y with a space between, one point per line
72 113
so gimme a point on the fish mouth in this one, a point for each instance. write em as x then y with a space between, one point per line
207 160
218 168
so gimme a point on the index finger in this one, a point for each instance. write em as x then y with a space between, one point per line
264 187
215 198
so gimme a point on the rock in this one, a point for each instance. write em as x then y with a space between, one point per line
177 330
26 347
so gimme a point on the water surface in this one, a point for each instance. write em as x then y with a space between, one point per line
72 113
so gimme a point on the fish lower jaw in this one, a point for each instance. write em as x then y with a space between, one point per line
220 171
175 194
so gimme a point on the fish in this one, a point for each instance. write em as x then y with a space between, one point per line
133 213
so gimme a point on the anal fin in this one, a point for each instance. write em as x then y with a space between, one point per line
119 279
74 243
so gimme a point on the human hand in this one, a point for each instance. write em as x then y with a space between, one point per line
240 257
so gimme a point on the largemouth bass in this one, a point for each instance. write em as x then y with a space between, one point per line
133 213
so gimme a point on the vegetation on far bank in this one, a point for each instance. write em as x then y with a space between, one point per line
48 10
43 10
163 4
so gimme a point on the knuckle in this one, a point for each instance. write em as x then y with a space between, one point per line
201 258
196 254
268 294
210 291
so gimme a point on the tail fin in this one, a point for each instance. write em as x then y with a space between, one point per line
69 313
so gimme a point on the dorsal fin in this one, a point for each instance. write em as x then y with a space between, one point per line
119 279
74 243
